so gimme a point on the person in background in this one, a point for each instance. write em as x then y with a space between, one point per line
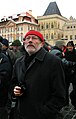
19 51
5 78
7 51
59 51
47 46
70 55
38 81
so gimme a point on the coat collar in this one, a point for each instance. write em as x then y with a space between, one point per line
41 54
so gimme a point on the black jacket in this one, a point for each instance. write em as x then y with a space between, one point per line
5 78
45 86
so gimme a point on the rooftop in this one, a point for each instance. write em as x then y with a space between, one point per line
52 9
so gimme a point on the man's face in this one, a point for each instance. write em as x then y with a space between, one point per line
4 47
32 44
70 48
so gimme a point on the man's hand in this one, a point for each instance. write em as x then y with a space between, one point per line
17 91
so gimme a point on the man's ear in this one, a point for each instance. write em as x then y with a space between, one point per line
42 43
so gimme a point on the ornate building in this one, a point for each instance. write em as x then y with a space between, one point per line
69 29
14 27
54 26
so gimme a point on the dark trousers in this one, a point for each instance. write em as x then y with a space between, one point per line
3 113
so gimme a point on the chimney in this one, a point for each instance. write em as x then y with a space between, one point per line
30 12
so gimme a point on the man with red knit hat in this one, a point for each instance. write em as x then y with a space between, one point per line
38 81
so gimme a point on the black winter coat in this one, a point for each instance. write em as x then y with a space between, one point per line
45 86
5 78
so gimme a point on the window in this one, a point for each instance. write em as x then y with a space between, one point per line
62 36
18 36
46 36
10 29
17 28
52 36
31 28
66 36
52 26
47 26
75 37
21 36
10 38
67 27
71 26
70 37
58 25
21 28
42 27
74 27
3 30
28 27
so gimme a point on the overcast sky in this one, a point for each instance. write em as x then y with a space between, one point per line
38 7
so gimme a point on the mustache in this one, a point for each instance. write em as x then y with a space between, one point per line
30 44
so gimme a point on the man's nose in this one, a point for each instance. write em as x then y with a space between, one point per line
30 39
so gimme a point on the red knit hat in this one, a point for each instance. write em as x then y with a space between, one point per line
33 32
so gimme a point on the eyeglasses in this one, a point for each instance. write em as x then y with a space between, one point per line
33 38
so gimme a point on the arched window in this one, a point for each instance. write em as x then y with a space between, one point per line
52 37
70 37
42 27
58 25
46 36
52 26
47 26
62 35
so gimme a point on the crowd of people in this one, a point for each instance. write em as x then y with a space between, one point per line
35 78
67 53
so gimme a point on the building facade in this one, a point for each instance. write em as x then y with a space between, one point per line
14 27
54 26
51 27
69 29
